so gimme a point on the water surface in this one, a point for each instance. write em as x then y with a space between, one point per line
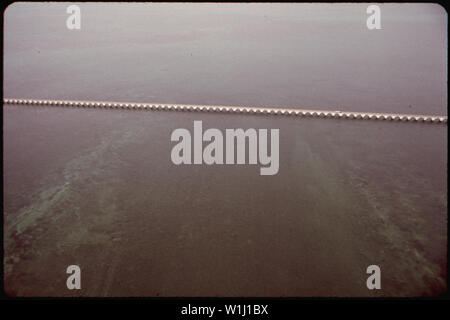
96 187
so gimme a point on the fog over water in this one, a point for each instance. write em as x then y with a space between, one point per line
97 188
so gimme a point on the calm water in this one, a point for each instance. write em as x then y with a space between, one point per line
290 55
96 188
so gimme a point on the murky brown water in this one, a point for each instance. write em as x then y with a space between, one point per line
97 188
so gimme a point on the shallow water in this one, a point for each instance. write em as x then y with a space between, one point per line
97 188
113 203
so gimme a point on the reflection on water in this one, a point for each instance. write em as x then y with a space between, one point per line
97 188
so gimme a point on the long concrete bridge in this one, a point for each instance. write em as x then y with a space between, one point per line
334 114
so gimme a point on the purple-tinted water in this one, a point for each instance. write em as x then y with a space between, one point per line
96 188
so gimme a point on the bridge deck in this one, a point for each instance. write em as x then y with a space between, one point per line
236 109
